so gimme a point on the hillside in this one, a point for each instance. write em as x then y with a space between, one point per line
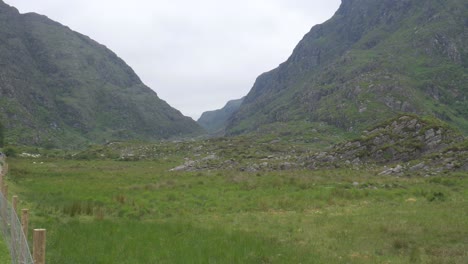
216 121
369 62
418 145
61 88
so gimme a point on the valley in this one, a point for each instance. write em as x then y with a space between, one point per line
250 199
141 212
353 150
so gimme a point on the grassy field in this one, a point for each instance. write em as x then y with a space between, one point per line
4 254
103 211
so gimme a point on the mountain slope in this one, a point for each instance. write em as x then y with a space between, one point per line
58 87
216 121
370 61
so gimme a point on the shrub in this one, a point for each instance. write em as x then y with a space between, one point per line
10 152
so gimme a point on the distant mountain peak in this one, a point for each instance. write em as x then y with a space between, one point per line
215 121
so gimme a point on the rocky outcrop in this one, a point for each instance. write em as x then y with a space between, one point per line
412 143
402 139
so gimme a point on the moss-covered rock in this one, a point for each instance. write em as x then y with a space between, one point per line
407 139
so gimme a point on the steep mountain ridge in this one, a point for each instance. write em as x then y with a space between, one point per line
369 62
61 88
215 121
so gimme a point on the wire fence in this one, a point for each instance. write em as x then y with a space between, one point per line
13 234
12 229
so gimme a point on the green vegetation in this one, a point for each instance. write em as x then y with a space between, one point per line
356 70
76 91
104 211
250 199
4 253
215 121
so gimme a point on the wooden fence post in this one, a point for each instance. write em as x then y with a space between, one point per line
15 236
15 202
25 221
1 182
24 226
39 246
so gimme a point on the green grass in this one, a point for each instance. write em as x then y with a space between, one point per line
139 212
175 242
4 253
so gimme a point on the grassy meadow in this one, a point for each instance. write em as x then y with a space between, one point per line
4 253
106 211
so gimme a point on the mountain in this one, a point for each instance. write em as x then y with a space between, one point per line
216 121
61 88
370 62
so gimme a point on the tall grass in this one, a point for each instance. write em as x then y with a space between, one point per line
4 253
154 242
139 212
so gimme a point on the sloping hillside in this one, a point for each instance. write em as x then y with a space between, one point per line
369 62
215 121
61 88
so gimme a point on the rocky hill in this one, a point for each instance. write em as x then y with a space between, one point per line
405 145
399 140
215 121
369 62
61 88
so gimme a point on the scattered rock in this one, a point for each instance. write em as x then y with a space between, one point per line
397 170
210 157
29 155
187 166
401 139
418 167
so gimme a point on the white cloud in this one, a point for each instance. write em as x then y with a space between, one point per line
196 55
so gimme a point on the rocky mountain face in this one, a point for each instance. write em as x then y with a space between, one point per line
215 121
369 62
61 88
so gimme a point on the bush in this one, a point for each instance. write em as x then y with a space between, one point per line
10 152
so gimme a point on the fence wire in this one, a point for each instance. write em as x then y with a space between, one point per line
12 232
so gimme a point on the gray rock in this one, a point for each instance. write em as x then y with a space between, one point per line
429 133
187 166
397 170
286 166
418 167
210 157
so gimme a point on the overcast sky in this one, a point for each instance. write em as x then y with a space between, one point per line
196 55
